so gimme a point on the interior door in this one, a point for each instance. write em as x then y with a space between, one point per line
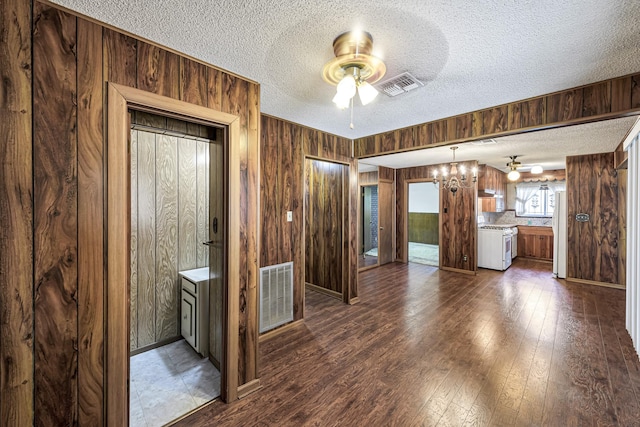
385 222
217 246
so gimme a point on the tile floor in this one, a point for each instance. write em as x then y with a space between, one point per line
423 253
168 382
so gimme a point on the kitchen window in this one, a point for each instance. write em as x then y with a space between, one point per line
535 199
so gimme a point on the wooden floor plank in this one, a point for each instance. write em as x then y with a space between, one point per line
426 347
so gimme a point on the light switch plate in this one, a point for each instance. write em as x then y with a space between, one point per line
289 216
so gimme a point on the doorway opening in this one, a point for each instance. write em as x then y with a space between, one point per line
326 207
223 263
177 266
368 226
424 224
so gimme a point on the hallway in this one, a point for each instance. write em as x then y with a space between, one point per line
430 347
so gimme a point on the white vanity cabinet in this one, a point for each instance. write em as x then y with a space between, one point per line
194 314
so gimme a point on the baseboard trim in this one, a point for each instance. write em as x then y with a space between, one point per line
158 344
275 332
355 300
246 389
329 292
595 283
459 270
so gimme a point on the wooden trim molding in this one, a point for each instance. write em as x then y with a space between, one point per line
324 291
603 100
120 100
595 283
459 270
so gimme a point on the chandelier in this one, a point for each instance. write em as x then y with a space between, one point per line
353 69
450 179
513 174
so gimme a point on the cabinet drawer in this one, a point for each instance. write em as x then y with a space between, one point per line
189 286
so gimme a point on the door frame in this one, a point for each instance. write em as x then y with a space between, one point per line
361 226
118 239
405 209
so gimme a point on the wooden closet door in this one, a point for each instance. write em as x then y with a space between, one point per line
385 222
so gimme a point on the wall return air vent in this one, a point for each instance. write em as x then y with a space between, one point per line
276 296
399 84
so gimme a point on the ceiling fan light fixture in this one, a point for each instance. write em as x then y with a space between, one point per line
353 69
513 175
367 93
347 87
537 169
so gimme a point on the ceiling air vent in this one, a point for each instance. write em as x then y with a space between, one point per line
399 84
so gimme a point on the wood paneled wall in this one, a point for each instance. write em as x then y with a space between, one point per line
592 188
284 146
325 220
606 99
424 227
169 194
457 218
53 322
368 178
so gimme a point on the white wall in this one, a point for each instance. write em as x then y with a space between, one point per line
424 197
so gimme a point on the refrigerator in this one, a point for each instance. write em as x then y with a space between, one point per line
559 226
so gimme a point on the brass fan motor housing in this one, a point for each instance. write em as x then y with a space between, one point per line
353 50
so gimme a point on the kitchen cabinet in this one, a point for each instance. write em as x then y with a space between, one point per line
492 187
535 242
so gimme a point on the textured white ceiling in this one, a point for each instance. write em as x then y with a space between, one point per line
547 148
470 54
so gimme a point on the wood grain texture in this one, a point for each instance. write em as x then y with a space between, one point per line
133 281
193 82
385 221
158 70
458 225
622 226
386 174
16 216
270 211
90 224
324 257
494 120
59 188
146 230
202 203
187 201
512 348
592 245
607 99
120 58
55 217
564 106
368 178
596 99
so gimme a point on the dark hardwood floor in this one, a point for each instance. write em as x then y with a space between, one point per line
429 347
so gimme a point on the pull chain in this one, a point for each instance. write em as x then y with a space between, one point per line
351 123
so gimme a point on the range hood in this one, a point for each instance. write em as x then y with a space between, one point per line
487 193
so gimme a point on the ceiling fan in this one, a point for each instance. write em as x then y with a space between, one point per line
353 69
513 174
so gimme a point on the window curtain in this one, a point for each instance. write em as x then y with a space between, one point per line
524 192
556 186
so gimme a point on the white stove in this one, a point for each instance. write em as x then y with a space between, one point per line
494 246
